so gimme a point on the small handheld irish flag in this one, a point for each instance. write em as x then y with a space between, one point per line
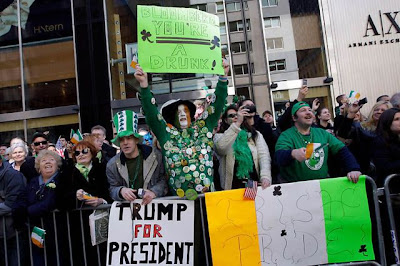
354 96
38 236
75 136
313 147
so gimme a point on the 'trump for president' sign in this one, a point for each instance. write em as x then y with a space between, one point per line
160 233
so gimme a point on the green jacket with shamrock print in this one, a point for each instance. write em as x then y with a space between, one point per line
187 152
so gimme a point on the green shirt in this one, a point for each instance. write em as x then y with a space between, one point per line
187 152
135 171
314 168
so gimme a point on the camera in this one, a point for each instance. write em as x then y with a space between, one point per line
362 101
251 108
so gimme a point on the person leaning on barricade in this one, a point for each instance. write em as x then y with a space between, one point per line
302 151
137 171
186 144
243 151
86 186
39 200
12 184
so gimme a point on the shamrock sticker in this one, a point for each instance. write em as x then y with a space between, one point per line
146 35
215 42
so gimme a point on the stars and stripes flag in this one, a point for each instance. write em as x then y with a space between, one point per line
251 190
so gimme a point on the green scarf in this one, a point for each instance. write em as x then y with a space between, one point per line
243 157
84 170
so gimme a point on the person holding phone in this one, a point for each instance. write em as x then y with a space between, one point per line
361 135
242 149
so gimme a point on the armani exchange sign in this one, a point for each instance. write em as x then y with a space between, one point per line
387 26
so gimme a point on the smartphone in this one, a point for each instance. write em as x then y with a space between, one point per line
304 82
362 101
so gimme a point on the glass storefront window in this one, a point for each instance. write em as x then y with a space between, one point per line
48 54
56 126
10 80
9 130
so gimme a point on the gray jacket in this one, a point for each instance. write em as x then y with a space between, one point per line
153 172
12 183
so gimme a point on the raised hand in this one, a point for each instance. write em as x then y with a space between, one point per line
225 65
141 77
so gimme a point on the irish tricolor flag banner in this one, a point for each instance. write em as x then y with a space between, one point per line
303 223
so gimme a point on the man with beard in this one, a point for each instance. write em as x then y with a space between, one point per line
302 151
137 171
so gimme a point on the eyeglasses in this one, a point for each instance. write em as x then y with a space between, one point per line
44 142
232 115
84 151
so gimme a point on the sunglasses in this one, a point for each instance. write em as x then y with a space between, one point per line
44 142
84 151
232 115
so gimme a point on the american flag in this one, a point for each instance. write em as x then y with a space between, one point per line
251 190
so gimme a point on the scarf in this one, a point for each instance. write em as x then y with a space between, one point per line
84 170
99 156
243 157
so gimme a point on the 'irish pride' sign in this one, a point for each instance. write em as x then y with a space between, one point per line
178 40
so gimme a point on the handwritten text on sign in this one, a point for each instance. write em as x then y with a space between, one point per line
178 40
160 233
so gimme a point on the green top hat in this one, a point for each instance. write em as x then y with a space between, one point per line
126 124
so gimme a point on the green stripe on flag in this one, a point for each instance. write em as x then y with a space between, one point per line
347 220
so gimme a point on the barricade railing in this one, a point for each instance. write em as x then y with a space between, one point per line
65 252
391 192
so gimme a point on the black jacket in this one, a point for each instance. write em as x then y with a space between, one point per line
97 185
386 157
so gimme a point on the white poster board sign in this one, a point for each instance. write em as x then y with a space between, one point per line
160 233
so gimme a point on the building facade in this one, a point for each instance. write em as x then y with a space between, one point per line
65 63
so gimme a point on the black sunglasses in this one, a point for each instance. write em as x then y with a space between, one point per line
84 151
232 115
44 142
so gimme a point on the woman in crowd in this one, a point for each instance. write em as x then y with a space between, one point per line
361 135
18 152
39 200
87 187
387 145
324 120
242 149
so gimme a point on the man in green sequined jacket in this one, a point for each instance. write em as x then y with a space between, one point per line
187 145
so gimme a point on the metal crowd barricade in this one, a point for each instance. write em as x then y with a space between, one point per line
64 244
391 192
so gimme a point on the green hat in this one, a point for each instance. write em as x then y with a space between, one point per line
126 124
298 105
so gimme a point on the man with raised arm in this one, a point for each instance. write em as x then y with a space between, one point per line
187 145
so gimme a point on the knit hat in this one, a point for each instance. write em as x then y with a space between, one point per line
168 110
126 124
298 105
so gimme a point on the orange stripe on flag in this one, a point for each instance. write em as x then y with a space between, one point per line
232 226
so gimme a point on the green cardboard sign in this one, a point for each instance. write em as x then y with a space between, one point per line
347 220
178 40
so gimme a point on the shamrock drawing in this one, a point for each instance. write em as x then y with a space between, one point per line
363 250
215 42
277 191
146 35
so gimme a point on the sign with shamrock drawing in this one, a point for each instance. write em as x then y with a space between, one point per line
178 40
